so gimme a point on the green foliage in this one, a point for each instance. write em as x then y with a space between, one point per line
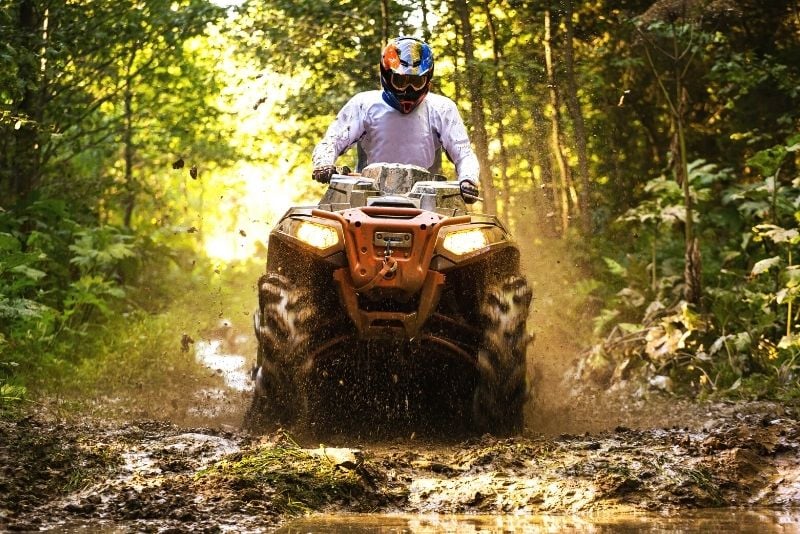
96 102
11 393
95 222
64 285
745 327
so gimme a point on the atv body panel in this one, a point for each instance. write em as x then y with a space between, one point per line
392 257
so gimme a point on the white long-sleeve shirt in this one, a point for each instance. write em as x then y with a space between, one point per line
388 136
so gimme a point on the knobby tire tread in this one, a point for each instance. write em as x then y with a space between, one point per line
502 390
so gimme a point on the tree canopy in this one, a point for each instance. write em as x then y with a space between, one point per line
143 141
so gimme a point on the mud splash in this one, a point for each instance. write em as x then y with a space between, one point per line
230 366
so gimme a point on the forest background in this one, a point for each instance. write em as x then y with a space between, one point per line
146 147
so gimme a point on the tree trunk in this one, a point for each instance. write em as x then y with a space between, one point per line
426 30
456 63
576 115
384 21
678 104
129 150
25 161
498 114
547 189
475 89
691 273
558 152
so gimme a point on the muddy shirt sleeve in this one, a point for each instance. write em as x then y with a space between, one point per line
455 141
342 133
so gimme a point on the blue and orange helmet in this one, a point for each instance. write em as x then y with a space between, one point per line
406 72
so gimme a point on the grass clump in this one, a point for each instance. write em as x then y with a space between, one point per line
293 479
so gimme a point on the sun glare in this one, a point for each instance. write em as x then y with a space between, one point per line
262 196
256 194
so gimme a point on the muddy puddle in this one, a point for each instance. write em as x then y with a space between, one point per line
737 472
694 521
214 355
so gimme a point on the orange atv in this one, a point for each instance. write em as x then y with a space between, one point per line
389 307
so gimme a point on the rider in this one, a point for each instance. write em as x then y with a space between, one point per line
404 123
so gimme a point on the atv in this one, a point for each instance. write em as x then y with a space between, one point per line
389 300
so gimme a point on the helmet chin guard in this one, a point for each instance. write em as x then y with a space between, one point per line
406 72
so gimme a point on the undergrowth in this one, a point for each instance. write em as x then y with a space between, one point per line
90 310
741 339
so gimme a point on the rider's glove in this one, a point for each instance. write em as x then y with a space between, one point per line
469 191
323 174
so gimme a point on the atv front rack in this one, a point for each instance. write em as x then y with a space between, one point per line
376 267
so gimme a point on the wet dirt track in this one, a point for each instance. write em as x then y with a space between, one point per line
202 474
158 477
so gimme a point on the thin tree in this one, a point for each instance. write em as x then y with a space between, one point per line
498 109
576 116
477 120
546 188
426 30
384 21
127 139
29 111
679 56
555 103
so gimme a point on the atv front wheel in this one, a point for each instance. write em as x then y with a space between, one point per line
282 327
502 387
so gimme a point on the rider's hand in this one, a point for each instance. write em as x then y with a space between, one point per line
469 191
323 174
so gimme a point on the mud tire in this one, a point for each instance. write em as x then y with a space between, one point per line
282 327
502 390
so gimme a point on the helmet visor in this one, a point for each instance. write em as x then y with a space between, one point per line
401 82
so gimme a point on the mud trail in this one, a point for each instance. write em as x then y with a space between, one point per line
180 463
155 476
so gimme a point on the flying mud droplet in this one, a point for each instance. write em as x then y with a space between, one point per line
193 172
259 102
242 233
178 164
186 340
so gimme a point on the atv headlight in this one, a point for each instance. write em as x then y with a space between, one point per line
463 242
317 235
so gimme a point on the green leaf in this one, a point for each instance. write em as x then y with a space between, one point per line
10 392
615 268
629 328
776 234
33 274
768 161
792 274
8 243
765 265
788 342
781 295
21 309
631 297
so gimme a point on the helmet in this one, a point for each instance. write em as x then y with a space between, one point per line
406 72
